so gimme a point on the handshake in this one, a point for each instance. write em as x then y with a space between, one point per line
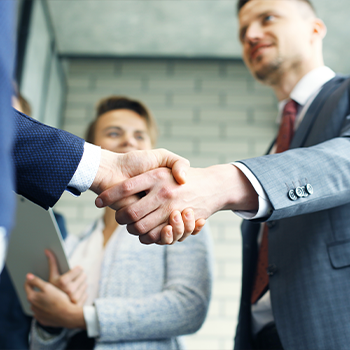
162 199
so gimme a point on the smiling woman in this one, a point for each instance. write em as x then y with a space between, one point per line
126 295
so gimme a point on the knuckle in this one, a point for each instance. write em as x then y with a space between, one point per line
126 187
166 192
140 228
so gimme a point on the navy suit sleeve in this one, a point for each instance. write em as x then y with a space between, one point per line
45 159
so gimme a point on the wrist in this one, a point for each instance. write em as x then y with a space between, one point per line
237 193
105 175
75 318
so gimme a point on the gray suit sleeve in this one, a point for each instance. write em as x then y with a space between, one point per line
325 166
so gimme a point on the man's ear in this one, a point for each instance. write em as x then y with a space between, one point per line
319 29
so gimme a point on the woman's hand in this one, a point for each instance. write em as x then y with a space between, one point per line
73 283
51 306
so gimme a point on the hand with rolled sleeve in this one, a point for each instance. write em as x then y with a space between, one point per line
208 190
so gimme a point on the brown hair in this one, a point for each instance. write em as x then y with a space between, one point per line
112 103
241 3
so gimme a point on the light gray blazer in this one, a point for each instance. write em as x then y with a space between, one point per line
309 238
149 295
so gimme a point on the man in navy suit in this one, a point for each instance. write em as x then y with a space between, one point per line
296 267
46 161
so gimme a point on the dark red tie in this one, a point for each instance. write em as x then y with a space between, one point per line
284 137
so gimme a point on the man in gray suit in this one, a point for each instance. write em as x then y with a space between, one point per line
303 193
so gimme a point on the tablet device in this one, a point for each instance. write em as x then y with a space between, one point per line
35 230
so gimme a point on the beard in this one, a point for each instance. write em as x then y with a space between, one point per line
271 72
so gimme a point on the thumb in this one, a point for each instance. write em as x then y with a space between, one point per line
53 268
178 165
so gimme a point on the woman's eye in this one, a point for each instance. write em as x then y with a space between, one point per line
113 134
139 137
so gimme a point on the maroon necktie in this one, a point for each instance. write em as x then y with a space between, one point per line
284 137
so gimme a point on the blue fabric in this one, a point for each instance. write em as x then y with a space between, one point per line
7 201
45 159
14 324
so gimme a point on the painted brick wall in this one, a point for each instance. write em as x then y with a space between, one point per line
209 112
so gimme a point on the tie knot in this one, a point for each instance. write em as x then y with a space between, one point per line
291 107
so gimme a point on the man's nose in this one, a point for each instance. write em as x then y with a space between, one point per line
253 33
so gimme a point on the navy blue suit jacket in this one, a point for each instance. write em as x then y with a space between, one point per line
42 158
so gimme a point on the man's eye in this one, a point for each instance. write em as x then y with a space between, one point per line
113 134
139 137
269 18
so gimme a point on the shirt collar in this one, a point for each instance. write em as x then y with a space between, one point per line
308 85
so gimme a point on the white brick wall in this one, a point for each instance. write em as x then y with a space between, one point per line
210 112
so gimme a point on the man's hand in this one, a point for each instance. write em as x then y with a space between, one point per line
73 283
51 306
115 167
206 191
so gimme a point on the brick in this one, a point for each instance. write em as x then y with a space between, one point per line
250 131
79 82
118 83
172 84
190 130
217 115
175 115
196 68
91 66
175 146
135 67
250 100
201 100
238 85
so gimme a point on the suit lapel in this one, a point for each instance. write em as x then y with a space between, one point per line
313 112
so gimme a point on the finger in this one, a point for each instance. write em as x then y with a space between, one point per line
53 268
70 281
189 223
199 225
82 299
135 185
166 235
79 292
35 282
178 165
125 202
178 227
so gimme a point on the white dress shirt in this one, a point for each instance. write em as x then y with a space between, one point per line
303 93
81 181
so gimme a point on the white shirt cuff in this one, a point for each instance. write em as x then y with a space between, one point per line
91 320
3 247
87 169
265 207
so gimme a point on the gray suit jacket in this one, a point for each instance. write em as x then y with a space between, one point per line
309 238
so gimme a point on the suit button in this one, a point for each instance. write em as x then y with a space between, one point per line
292 196
309 189
271 270
299 191
271 224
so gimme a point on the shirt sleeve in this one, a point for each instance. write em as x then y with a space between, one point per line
3 245
265 207
91 320
87 169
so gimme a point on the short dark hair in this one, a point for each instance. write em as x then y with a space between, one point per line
241 3
112 103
